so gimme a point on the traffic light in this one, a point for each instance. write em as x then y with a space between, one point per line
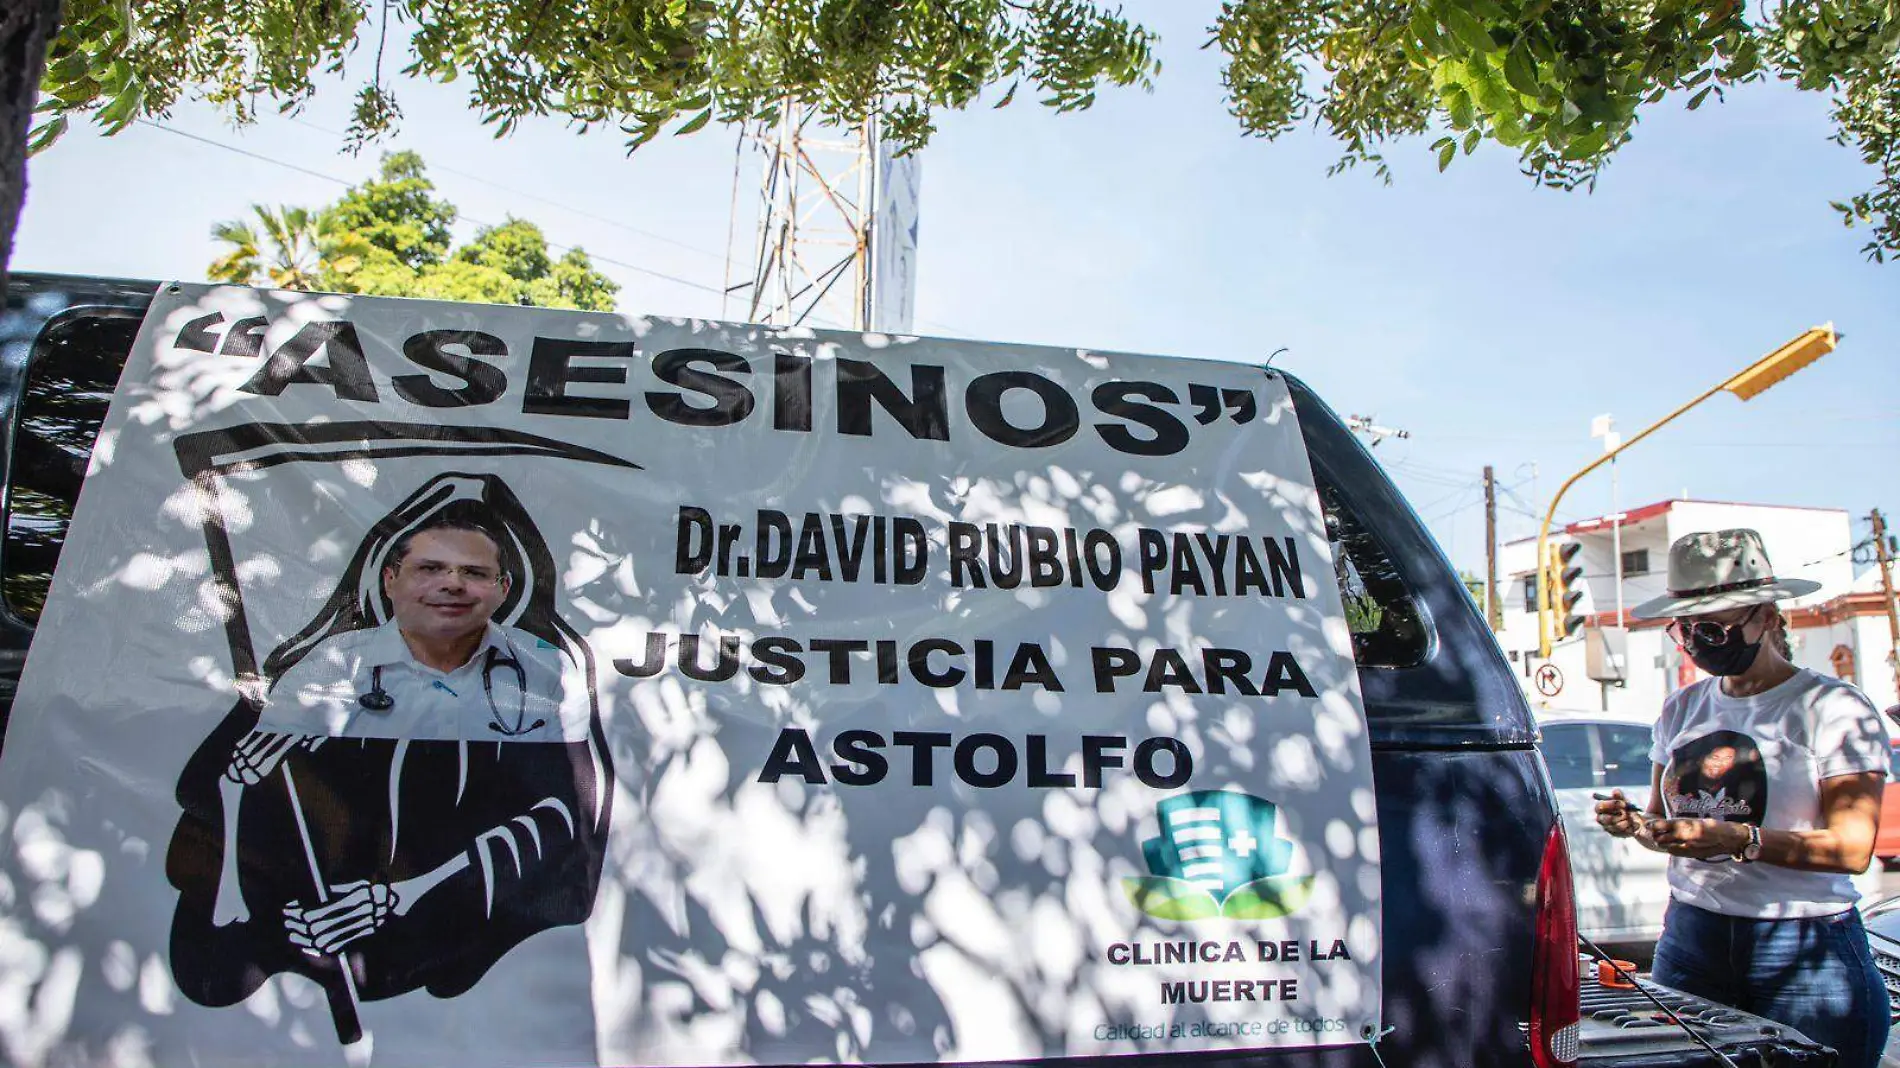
1566 589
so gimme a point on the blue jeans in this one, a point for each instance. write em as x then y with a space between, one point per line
1817 976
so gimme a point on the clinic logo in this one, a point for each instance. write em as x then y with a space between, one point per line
1218 856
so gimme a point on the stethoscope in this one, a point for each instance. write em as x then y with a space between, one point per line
379 700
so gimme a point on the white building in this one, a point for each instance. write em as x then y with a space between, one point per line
1841 630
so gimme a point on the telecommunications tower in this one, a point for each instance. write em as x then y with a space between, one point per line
836 243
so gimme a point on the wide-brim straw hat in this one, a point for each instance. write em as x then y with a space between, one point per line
1719 570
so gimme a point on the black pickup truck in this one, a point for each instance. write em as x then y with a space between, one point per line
1481 962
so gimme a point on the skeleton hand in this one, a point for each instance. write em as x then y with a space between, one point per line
259 753
355 910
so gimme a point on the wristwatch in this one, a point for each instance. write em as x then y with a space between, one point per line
1752 849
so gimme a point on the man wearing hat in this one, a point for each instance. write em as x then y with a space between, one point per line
1766 792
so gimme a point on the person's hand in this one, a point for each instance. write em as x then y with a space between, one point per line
355 910
1698 839
1616 815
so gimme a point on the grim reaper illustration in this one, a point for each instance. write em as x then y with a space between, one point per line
382 865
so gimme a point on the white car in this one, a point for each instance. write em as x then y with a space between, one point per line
1622 888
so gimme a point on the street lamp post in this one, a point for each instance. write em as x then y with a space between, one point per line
1604 426
1747 384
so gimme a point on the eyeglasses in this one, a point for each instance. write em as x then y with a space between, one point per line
435 571
1706 632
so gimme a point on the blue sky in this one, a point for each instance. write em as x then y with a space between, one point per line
1489 318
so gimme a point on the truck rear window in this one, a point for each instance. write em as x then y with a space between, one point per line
75 367
1381 613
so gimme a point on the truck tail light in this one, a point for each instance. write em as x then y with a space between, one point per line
1556 1009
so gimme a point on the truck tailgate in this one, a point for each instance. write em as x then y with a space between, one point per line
1624 1029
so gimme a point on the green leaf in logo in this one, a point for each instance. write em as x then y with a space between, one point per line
1268 899
1171 899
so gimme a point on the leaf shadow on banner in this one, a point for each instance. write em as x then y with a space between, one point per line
83 849
778 922
806 920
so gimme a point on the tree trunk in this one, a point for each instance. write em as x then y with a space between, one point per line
26 29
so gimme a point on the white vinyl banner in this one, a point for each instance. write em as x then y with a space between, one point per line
436 684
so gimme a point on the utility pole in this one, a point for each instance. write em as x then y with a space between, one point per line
1885 556
1368 425
1605 427
1493 612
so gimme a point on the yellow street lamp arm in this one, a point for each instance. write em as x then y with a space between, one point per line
1748 383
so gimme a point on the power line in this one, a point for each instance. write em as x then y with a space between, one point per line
1430 479
1450 513
1434 484
555 245
1460 492
1830 556
715 291
550 201
1429 473
1402 464
1524 507
243 152
1683 444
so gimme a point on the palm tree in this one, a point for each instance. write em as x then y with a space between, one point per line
290 256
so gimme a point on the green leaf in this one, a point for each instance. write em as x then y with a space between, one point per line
1425 28
1468 30
1445 154
1471 142
68 68
1696 100
1586 145
1268 899
1008 95
1510 134
119 113
45 134
1170 899
1597 107
1491 93
1458 106
695 124
1520 69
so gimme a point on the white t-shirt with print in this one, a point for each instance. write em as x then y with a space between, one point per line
1760 760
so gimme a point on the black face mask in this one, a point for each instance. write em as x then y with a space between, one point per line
1732 657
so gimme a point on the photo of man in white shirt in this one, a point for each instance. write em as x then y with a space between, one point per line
423 785
440 668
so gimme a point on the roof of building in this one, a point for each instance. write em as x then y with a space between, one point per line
1633 516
